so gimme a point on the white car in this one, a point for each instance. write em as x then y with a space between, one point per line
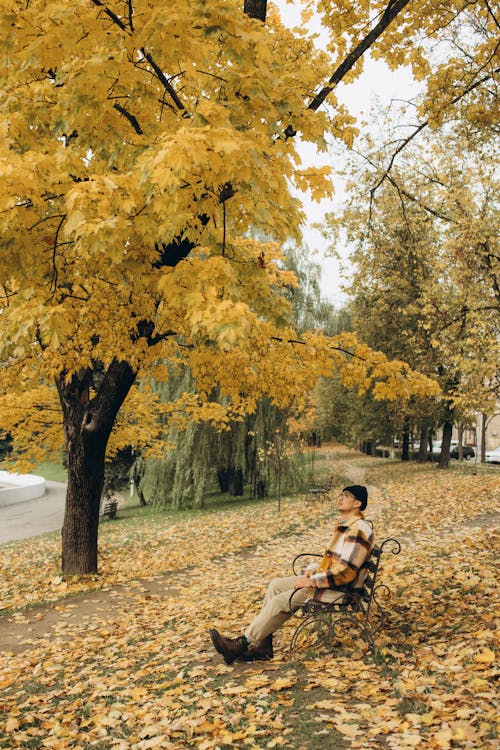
436 445
493 457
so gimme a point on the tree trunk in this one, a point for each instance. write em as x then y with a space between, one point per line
140 495
230 480
223 479
460 442
235 488
424 442
260 489
87 426
484 424
405 450
444 456
255 9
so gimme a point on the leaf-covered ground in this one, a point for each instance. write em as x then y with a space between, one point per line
133 667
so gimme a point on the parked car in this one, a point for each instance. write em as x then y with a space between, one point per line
436 446
493 457
467 452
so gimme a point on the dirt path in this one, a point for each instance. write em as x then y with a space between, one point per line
357 475
34 517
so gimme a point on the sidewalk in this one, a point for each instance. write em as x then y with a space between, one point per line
34 517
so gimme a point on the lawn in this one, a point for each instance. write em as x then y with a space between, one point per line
130 666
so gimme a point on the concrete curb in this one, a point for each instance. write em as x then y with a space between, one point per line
18 488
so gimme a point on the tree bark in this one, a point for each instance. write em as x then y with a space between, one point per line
87 426
484 424
460 442
255 9
405 449
424 444
444 456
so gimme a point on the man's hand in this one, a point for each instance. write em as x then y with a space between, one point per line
303 582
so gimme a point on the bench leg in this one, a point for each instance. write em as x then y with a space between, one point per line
332 626
322 623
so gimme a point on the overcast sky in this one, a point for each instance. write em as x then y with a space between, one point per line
377 85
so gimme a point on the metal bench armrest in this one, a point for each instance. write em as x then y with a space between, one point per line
297 572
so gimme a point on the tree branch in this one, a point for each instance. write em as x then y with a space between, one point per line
130 117
423 125
116 19
335 348
164 81
130 15
46 218
54 253
495 19
392 10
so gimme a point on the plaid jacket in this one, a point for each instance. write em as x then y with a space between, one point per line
341 565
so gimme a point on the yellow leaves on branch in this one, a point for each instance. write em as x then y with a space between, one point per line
90 193
252 360
33 417
316 180
389 379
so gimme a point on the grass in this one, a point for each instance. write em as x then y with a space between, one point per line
51 471
307 730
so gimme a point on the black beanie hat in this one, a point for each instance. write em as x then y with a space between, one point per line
359 492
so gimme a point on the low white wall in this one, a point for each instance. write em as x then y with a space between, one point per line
17 488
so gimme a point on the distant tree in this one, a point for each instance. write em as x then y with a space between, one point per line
415 293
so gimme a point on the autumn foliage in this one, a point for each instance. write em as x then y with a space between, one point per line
142 147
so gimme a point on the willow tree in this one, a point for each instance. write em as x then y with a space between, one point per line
139 144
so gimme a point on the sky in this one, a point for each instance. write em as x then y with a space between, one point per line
376 85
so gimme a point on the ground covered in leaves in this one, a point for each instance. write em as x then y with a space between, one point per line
130 666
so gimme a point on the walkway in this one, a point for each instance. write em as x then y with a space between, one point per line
33 517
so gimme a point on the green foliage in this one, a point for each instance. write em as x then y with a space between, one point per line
117 469
51 471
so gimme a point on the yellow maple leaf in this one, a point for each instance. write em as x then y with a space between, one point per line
283 682
325 705
486 656
443 737
12 725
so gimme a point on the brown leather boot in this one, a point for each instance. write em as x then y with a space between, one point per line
262 650
230 648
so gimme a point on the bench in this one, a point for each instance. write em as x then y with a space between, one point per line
109 508
361 608
320 491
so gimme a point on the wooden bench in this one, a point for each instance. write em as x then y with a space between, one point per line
362 609
109 508
320 491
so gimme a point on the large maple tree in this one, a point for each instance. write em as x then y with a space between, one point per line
141 144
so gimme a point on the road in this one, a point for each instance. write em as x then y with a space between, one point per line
34 517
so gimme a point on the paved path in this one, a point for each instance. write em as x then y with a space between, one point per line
34 517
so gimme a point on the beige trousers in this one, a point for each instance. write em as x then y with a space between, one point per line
276 608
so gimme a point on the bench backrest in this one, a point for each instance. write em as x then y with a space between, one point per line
366 590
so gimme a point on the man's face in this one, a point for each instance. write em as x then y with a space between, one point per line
347 503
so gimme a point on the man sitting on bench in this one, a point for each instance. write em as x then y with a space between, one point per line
341 565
